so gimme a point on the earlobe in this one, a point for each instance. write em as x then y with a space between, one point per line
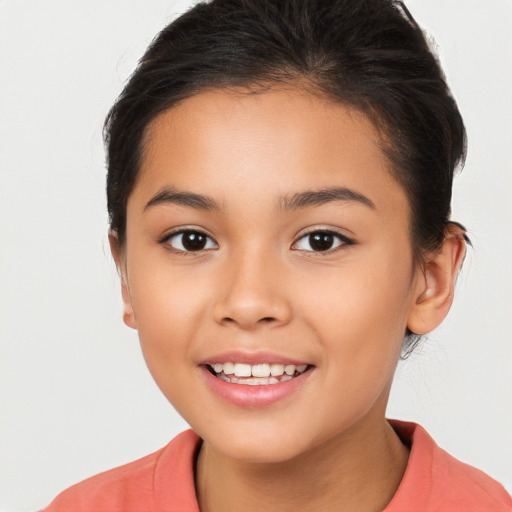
435 287
117 254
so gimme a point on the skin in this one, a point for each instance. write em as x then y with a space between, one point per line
258 285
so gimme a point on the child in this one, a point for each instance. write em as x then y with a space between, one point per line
279 193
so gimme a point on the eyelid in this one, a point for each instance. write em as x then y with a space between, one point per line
346 241
185 229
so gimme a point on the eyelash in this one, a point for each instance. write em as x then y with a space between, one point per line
167 238
342 239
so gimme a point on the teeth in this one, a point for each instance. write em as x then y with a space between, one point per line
256 381
257 374
277 369
228 368
289 369
242 370
260 370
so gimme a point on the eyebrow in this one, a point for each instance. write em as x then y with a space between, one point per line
327 195
296 201
173 196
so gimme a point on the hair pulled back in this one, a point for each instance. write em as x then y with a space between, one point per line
369 54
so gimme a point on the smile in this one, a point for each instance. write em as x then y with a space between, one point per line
261 374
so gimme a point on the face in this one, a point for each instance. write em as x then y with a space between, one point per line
267 237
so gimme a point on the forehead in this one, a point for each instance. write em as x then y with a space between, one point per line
270 143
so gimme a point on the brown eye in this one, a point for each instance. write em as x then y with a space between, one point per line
321 241
190 241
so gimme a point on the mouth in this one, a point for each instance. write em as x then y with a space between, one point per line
261 374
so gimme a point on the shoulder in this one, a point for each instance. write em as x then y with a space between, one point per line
456 483
436 481
138 485
111 489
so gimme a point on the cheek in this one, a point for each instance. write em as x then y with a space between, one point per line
168 309
360 312
361 324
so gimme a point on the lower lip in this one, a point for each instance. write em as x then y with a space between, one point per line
244 395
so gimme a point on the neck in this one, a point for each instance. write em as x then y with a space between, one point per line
356 470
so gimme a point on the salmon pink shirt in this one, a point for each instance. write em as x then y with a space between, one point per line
434 481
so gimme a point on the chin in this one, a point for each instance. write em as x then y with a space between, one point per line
259 453
260 445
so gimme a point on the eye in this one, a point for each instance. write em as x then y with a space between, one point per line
189 240
321 241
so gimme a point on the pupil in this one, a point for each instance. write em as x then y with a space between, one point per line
193 241
321 241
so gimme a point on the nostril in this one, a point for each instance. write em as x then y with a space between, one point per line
266 320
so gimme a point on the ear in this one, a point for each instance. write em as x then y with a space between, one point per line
119 258
435 286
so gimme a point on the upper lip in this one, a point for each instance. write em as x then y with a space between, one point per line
252 358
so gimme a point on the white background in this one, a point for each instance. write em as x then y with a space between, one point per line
76 397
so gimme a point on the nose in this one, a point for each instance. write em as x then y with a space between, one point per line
252 294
